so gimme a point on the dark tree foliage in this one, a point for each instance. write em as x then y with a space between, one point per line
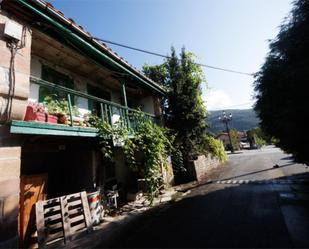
184 109
282 85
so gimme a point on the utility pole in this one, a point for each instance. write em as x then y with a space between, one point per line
226 119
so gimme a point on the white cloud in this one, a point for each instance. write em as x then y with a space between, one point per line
217 100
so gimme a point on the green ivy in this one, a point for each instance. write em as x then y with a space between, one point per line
215 147
151 141
107 132
155 145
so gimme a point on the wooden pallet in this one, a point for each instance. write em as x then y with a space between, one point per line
60 220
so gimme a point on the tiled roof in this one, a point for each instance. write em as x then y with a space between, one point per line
49 7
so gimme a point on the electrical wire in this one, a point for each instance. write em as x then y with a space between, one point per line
168 57
11 91
165 56
13 46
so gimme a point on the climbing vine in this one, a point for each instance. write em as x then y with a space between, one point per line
154 143
146 152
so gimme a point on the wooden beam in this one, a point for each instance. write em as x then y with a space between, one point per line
65 218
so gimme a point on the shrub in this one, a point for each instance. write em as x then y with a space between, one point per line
214 147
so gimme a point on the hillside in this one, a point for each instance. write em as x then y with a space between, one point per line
242 120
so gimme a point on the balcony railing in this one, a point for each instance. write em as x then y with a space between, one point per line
108 111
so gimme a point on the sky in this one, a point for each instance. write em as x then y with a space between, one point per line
232 34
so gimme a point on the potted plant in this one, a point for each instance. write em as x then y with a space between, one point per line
57 107
35 112
60 108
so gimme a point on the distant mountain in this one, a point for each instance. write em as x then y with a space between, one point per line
242 120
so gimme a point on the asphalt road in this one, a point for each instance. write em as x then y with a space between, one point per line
232 212
258 165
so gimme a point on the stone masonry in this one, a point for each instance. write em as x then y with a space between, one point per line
10 145
202 165
21 69
9 195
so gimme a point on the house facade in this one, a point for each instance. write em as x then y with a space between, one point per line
241 138
46 55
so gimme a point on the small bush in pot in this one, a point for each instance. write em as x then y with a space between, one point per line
59 108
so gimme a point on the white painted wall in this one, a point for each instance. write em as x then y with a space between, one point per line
80 84
147 104
82 103
36 71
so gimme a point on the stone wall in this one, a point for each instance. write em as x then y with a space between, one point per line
10 154
10 145
203 165
20 87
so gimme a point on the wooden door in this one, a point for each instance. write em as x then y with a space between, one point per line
33 188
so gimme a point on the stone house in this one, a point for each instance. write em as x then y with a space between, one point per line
241 138
43 53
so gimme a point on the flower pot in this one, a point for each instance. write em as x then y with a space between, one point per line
52 119
62 118
77 121
31 115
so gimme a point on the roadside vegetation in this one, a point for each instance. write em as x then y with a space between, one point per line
146 152
184 110
185 136
257 136
214 148
282 85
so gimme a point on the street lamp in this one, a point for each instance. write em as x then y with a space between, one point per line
226 119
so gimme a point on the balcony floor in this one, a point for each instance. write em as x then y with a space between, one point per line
39 128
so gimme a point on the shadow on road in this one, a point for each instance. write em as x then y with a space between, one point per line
290 158
226 216
256 172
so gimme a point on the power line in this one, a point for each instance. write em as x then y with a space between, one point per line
168 57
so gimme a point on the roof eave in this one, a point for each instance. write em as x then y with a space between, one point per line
89 39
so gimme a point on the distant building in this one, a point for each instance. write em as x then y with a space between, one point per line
242 139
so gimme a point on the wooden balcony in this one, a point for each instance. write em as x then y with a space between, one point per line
108 112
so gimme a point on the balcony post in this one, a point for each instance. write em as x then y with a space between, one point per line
70 108
124 95
102 111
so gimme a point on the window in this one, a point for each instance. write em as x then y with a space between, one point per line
94 106
133 103
55 77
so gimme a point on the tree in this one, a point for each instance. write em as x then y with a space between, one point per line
184 109
281 85
257 137
234 138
